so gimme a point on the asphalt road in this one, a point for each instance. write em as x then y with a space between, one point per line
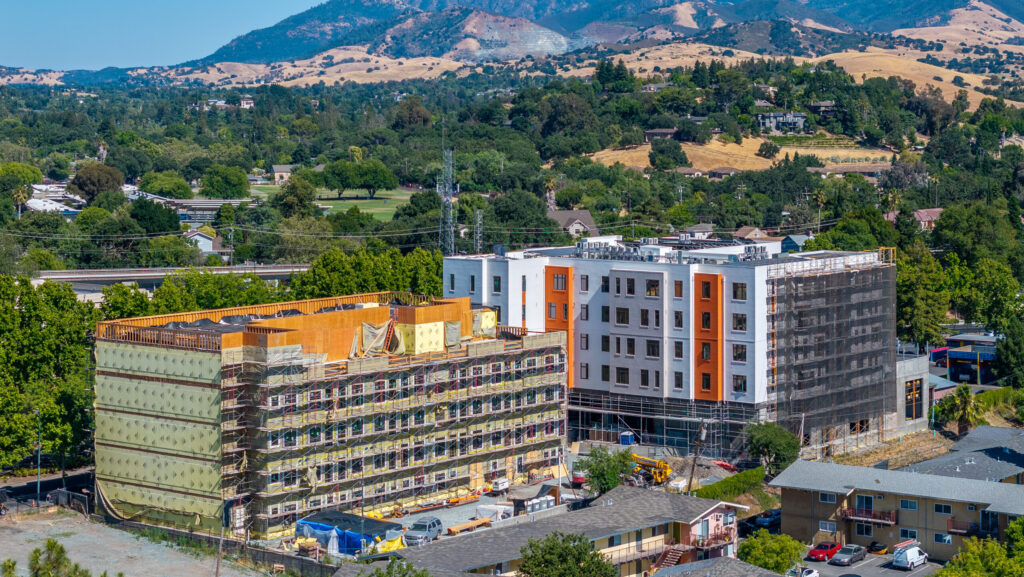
872 566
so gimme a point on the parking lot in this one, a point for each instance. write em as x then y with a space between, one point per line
873 566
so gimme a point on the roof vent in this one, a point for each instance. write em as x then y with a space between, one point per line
957 468
969 461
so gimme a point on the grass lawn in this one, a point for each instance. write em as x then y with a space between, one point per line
382 207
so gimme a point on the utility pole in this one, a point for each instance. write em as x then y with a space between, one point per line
39 456
696 453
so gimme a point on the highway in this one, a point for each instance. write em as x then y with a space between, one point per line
116 275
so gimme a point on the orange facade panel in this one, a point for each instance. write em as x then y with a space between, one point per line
558 309
707 337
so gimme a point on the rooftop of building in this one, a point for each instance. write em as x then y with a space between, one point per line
985 454
367 569
717 567
845 479
977 338
620 510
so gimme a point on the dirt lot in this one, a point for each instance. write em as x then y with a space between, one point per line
99 548
901 452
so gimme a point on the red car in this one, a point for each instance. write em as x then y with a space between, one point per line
824 551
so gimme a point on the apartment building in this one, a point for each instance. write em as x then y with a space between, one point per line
668 333
255 416
638 530
829 502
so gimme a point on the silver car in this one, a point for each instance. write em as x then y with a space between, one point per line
849 555
423 531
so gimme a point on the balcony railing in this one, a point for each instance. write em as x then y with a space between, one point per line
968 528
714 540
627 553
870 515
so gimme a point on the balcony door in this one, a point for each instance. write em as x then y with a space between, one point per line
989 521
865 503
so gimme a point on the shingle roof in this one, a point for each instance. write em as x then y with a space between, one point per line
844 479
621 509
564 218
717 567
986 454
367 569
285 168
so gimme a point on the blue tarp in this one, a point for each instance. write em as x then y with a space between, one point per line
335 532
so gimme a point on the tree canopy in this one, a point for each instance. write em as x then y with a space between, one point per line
564 555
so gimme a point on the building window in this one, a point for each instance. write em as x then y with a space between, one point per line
653 349
678 349
943 538
679 319
827 526
645 378
496 289
565 311
739 291
497 313
653 288
621 316
705 381
584 283
605 373
552 310
604 314
739 322
584 342
657 379
605 343
584 371
739 383
618 345
472 283
863 530
630 347
604 284
705 351
584 312
645 317
908 534
943 509
705 321
618 285
827 497
559 282
914 399
451 283
679 289
630 286
739 353
621 376
705 289
657 318
678 380
908 504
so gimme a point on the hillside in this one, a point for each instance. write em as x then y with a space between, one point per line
782 38
977 23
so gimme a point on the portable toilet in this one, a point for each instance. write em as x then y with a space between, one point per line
627 438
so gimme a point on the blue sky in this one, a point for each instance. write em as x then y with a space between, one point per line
72 34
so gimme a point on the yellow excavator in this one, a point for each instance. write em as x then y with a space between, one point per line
654 471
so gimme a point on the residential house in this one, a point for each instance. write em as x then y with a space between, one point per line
699 231
751 233
824 108
576 222
247 102
794 242
650 135
689 171
636 529
925 217
657 87
282 172
698 120
47 205
723 172
763 104
208 244
782 121
985 454
829 502
870 171
767 90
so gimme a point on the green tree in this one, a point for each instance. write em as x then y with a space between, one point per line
20 196
604 468
341 175
961 408
94 178
374 175
994 294
667 154
773 445
168 184
221 181
1010 351
121 301
776 553
410 113
25 173
171 251
52 561
297 197
153 217
959 283
564 555
89 217
399 568
982 558
1015 538
921 296
768 149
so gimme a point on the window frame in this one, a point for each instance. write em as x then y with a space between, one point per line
823 526
904 502
741 288
737 320
829 498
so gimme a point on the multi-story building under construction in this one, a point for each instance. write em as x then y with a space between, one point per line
668 335
255 416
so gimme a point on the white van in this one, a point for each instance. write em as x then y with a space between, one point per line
909 558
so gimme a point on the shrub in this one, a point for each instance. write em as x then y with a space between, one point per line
731 487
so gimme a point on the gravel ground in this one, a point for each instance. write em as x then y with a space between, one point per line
99 548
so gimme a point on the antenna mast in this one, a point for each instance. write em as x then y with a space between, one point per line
446 190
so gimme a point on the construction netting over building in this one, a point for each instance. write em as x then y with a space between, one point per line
255 417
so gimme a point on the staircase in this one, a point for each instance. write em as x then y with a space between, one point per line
669 557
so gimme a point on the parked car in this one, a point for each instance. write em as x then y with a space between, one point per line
824 551
746 527
878 548
909 558
423 531
803 572
769 518
849 555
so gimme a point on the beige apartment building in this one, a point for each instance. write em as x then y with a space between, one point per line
829 502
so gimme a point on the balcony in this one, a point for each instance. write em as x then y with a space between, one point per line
622 554
715 540
969 528
870 516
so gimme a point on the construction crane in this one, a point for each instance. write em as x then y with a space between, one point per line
655 471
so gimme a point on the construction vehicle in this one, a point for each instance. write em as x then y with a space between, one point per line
653 471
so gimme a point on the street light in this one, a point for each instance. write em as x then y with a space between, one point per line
39 453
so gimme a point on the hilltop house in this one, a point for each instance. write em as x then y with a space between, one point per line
576 222
782 121
247 102
650 135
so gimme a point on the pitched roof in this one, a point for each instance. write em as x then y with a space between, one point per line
717 567
621 509
749 232
285 168
845 479
701 227
565 218
367 569
986 454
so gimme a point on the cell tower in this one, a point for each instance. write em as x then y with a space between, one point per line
446 190
478 231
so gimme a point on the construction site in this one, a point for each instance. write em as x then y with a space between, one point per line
254 417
